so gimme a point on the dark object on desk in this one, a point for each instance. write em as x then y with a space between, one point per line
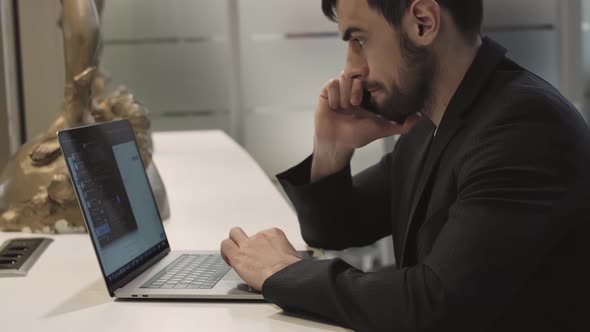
17 256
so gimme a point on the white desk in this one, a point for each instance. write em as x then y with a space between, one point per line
213 184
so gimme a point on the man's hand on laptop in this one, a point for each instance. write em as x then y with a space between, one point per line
258 257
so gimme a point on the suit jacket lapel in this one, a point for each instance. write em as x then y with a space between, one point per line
484 65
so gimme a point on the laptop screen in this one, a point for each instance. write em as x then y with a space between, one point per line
115 196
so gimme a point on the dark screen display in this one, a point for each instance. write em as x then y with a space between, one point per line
102 188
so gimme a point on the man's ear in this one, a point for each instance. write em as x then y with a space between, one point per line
422 21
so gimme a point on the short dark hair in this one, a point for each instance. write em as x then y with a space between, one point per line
467 14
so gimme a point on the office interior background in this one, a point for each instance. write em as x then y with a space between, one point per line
252 68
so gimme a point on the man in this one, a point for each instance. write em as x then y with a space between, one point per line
485 193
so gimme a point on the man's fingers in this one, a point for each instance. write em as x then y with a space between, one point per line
345 93
356 92
333 89
238 235
228 249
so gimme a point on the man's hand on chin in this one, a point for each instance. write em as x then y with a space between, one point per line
258 257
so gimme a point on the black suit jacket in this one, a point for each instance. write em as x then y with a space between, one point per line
490 230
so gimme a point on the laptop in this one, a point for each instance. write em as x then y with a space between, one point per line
125 226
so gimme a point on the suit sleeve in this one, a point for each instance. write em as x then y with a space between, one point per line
340 211
517 200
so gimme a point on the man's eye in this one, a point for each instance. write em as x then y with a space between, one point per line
360 42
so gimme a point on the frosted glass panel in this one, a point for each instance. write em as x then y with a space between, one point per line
289 72
152 19
172 78
190 122
537 51
173 55
521 12
281 16
280 140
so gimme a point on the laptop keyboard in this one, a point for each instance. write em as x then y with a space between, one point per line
190 272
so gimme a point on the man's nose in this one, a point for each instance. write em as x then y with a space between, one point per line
356 66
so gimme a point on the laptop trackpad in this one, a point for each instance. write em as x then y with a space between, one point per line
232 275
